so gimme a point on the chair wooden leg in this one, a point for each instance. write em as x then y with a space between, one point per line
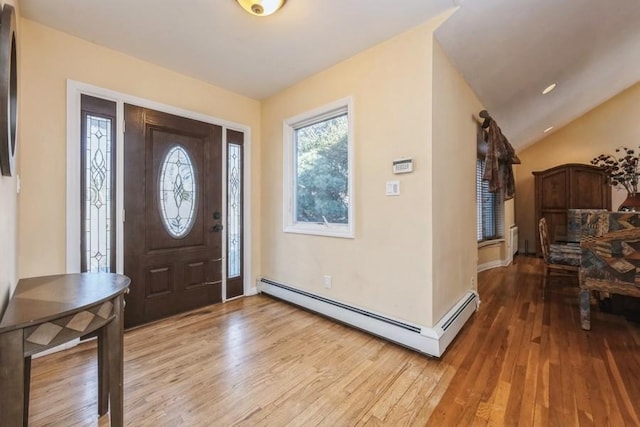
546 281
585 309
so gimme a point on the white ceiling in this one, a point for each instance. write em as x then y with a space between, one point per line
218 42
507 50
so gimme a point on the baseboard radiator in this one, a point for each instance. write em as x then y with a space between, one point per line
513 238
432 341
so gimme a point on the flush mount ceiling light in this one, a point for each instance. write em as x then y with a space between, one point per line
549 88
261 7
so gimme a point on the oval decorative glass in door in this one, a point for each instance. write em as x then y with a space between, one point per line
177 191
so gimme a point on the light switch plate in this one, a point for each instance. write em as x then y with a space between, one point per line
393 188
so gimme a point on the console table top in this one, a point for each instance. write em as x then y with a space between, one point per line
41 299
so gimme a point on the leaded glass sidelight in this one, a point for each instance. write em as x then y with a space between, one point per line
234 209
177 191
98 179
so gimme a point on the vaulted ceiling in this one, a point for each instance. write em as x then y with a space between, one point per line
508 51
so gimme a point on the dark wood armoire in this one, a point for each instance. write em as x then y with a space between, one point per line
569 186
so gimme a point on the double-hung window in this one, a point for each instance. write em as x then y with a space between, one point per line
489 206
318 171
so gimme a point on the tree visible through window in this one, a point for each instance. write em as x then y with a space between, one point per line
322 166
318 171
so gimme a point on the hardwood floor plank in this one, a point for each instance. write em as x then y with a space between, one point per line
531 364
522 359
579 383
497 406
627 408
548 373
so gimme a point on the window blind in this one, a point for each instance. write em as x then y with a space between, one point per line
489 208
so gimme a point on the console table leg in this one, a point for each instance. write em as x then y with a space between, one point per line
12 379
585 309
27 388
103 372
114 335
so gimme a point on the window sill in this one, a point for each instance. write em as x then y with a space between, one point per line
493 242
345 232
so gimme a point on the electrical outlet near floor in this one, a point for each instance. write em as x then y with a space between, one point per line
327 281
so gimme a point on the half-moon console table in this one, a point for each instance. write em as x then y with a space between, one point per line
45 312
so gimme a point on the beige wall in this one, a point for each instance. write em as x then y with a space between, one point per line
387 267
454 188
413 256
9 199
49 58
613 124
490 255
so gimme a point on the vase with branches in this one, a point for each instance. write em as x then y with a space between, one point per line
623 171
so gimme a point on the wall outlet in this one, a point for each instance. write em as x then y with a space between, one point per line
327 282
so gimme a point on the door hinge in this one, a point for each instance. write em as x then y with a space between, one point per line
124 126
123 215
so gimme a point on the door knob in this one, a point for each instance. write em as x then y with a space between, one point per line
217 228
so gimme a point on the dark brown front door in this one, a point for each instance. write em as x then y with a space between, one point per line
173 206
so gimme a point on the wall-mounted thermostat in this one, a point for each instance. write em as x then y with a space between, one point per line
403 165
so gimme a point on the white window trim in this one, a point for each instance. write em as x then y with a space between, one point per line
290 225
74 90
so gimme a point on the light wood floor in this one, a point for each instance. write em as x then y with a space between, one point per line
521 360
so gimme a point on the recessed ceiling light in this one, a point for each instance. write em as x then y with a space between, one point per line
549 88
548 129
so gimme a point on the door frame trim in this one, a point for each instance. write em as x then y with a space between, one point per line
73 212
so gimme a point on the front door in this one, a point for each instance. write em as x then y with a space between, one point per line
173 214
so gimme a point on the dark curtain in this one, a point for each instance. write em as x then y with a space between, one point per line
500 157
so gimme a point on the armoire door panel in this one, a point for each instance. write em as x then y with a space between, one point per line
555 195
564 187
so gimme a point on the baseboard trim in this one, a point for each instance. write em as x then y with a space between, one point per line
432 341
494 264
